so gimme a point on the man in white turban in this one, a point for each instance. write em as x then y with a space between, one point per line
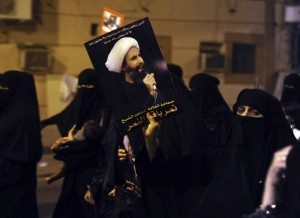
125 56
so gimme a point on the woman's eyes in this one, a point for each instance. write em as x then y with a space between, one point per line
241 109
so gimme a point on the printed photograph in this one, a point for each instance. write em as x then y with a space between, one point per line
136 76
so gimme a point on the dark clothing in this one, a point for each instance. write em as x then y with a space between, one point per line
227 195
21 145
83 159
257 139
69 116
20 136
71 203
214 112
292 110
64 119
288 195
290 98
18 189
181 145
291 88
239 180
123 176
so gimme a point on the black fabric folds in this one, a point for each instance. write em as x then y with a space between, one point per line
291 88
20 136
258 138
213 111
238 182
5 92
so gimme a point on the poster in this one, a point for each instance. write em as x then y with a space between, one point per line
99 49
110 20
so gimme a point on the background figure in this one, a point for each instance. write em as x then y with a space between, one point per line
21 146
176 70
290 98
83 158
214 112
66 118
291 88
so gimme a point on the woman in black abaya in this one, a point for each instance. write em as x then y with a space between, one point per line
21 146
85 158
66 118
259 137
214 112
259 129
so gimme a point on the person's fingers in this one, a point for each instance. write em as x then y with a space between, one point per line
89 198
120 150
285 150
150 118
112 193
122 154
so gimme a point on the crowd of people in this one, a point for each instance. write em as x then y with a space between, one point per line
207 161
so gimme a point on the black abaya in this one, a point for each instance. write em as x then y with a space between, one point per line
21 146
236 187
83 159
66 118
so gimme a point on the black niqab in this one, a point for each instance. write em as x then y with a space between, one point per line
88 100
211 105
206 95
237 185
258 138
291 89
20 136
83 99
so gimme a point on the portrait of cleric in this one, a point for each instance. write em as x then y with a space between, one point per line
111 22
136 75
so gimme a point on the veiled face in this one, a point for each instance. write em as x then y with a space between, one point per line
85 86
247 111
133 60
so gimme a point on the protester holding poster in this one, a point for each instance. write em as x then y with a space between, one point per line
138 82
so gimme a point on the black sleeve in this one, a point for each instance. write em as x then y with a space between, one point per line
51 120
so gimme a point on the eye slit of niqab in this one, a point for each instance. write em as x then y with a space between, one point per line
88 86
247 111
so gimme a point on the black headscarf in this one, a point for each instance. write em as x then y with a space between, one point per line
257 138
20 136
88 100
205 92
291 88
237 185
84 99
290 98
176 70
211 105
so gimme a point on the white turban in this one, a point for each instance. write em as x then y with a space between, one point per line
116 56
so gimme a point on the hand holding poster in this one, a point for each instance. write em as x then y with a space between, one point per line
136 75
